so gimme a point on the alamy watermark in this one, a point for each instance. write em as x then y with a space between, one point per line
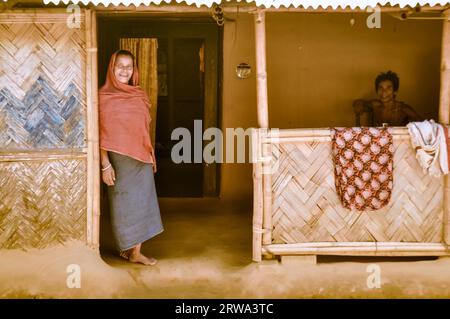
373 21
197 149
374 279
74 19
74 276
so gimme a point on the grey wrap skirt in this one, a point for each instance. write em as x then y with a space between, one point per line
135 215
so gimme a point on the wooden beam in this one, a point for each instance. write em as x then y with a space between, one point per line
233 8
95 133
317 135
267 193
230 7
261 73
358 249
257 198
444 102
263 120
43 155
93 158
34 15
89 120
444 114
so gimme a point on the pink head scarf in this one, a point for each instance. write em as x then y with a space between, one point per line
124 117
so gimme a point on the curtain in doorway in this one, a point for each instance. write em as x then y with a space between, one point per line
146 50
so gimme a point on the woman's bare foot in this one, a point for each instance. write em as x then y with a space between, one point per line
134 255
139 258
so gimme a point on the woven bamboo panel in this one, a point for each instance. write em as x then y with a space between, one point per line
305 206
42 83
43 198
42 202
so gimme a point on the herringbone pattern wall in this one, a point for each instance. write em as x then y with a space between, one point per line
42 110
306 207
42 203
41 86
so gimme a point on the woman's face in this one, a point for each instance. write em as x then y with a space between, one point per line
123 68
385 91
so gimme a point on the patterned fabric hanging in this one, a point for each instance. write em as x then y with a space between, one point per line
363 166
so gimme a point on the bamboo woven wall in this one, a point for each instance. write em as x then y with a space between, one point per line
42 129
43 202
41 83
305 206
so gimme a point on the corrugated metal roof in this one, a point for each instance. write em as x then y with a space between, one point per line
315 4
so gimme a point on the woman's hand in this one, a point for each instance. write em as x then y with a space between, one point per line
152 154
109 176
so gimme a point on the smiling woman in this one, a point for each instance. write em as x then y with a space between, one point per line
128 159
123 68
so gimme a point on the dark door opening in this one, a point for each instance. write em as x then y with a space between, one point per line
188 73
180 102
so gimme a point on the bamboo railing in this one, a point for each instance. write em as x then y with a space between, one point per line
301 214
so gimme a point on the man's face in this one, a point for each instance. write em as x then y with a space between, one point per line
385 91
123 68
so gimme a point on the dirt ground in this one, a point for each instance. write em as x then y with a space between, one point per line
205 252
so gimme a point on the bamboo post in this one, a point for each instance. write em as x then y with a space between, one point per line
261 74
257 198
267 193
262 192
444 113
95 133
93 158
90 170
444 101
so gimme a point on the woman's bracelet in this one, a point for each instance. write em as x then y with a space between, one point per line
107 166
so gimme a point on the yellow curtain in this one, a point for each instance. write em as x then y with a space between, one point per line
145 51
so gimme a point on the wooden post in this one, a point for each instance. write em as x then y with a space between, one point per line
257 198
95 133
444 101
261 74
263 122
444 113
90 167
267 192
93 158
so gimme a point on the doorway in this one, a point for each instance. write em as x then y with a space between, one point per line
188 82
180 102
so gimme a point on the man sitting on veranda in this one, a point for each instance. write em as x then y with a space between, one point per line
385 109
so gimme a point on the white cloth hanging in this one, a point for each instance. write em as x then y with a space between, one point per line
428 139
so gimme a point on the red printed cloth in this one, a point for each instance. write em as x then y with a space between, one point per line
363 166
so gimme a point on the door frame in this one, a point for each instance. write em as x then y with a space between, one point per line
92 136
211 172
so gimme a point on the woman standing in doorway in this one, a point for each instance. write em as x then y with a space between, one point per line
128 159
